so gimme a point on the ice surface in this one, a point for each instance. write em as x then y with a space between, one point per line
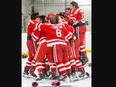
27 82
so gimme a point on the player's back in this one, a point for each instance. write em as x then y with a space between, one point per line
78 13
55 33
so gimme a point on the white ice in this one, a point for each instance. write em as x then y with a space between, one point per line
26 82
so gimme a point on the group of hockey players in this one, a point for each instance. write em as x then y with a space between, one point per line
56 44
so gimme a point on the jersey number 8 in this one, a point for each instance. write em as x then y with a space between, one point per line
58 32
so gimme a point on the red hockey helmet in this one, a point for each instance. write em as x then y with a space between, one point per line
41 15
50 14
46 19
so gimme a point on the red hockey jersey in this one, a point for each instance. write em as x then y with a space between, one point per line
55 33
31 26
38 36
76 15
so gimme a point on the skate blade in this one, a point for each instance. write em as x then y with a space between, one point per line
41 81
75 79
26 76
49 78
33 77
64 82
71 79
84 77
87 64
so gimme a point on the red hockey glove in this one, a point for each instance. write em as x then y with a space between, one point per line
34 84
56 83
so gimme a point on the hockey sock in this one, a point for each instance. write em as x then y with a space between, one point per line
68 66
79 64
53 67
28 65
73 64
61 68
83 50
46 64
33 65
40 67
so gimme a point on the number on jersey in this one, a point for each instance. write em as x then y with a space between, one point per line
58 32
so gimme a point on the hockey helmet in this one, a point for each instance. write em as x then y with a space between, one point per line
41 15
50 14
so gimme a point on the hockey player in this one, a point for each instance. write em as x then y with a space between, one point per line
30 44
67 12
70 55
76 19
43 50
41 19
64 15
55 36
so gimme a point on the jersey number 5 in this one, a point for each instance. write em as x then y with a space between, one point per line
58 33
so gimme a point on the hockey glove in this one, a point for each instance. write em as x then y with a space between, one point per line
56 83
72 39
24 56
75 35
68 21
78 23
34 84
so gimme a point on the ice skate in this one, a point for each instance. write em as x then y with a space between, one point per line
33 75
82 74
26 73
47 74
64 78
69 75
52 76
85 61
74 75
41 78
